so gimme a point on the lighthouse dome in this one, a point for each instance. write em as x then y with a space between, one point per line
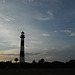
22 33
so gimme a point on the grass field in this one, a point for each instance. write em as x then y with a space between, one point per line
56 71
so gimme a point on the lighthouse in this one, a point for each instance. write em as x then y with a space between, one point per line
22 56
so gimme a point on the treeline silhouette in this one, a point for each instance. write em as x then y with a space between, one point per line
40 64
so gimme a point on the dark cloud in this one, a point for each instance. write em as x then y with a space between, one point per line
62 55
27 54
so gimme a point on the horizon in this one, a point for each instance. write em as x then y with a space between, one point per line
49 27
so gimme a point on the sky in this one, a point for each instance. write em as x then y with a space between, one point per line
49 27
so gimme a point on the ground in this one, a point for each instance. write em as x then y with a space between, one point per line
51 71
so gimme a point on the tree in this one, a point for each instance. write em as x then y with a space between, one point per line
16 59
34 62
41 61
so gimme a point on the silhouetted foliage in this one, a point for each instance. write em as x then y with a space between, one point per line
41 61
41 64
34 62
72 61
16 59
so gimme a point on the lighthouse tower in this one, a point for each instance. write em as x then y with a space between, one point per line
22 57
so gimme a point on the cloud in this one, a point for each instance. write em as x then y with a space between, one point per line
41 16
70 33
36 42
37 14
48 57
55 31
7 55
64 53
46 35
54 0
6 30
4 1
8 39
27 1
10 51
50 13
27 18
5 18
66 31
